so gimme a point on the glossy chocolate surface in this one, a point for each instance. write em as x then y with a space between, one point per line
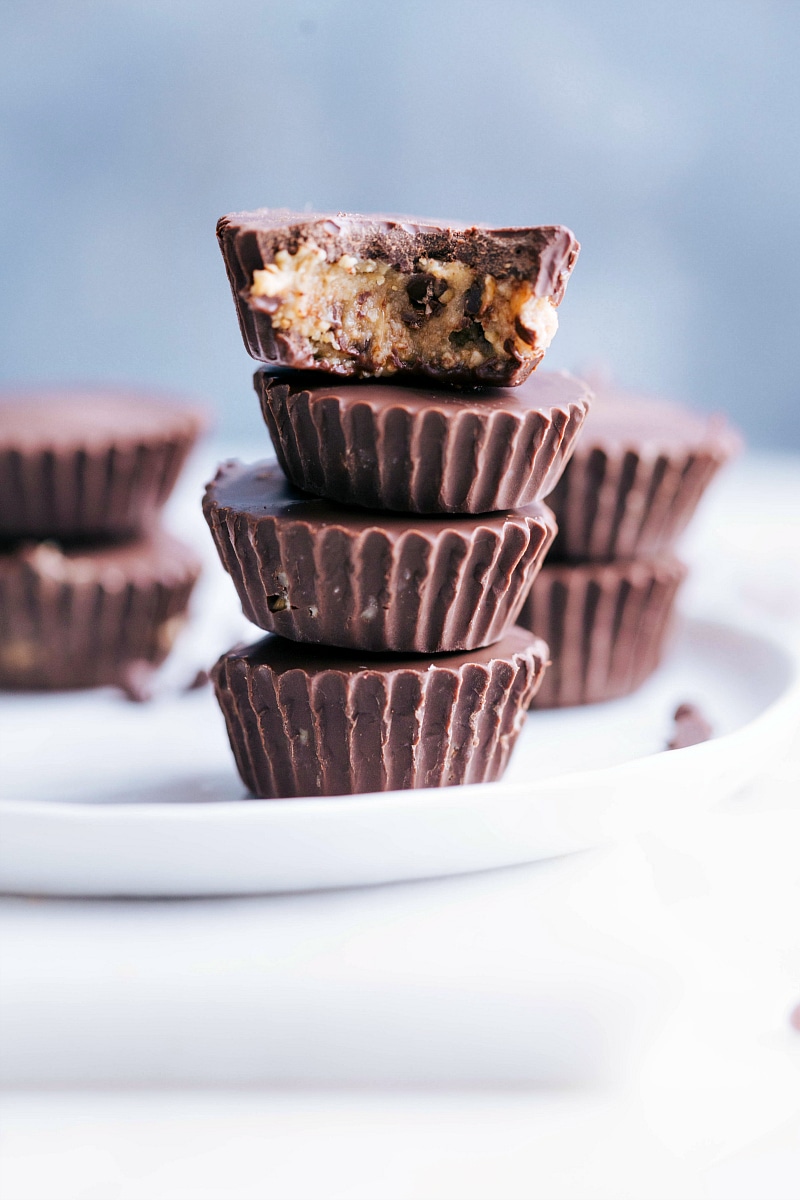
310 721
79 617
545 253
606 625
89 462
636 477
427 450
316 571
541 255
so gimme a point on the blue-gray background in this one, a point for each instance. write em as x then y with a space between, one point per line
666 135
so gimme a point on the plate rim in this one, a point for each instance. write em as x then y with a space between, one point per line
781 710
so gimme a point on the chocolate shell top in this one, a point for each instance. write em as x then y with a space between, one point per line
316 571
35 419
83 463
541 392
413 448
310 721
157 558
649 426
545 254
636 477
280 656
261 490
81 617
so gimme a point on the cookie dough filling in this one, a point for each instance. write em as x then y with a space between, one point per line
445 315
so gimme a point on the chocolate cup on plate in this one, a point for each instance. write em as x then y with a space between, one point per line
311 721
606 625
637 474
90 462
81 617
316 571
420 449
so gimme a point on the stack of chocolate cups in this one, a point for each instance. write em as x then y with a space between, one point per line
606 596
389 551
92 589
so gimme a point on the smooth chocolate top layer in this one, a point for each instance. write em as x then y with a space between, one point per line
280 656
262 490
544 254
157 557
93 417
622 420
314 570
542 391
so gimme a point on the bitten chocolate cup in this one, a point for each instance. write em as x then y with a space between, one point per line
637 474
78 618
89 463
315 571
371 296
308 721
606 625
412 449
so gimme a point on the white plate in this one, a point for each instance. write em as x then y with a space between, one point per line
107 798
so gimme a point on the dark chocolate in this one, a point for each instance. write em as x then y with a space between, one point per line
90 616
315 571
606 625
637 474
89 462
541 255
306 721
424 450
691 727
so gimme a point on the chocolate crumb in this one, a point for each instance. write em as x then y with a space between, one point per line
473 298
200 680
691 727
136 682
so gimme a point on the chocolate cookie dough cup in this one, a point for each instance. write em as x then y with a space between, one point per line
89 463
606 625
410 449
317 722
637 475
315 571
378 295
79 618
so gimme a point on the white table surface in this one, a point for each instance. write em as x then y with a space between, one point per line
613 1024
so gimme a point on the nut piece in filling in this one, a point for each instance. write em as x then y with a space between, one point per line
375 296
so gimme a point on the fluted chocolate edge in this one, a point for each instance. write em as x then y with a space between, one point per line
87 492
606 625
435 460
332 732
417 591
63 628
622 505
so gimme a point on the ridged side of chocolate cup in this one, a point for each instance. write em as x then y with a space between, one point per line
79 618
606 625
310 722
89 463
83 495
317 572
390 448
635 479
